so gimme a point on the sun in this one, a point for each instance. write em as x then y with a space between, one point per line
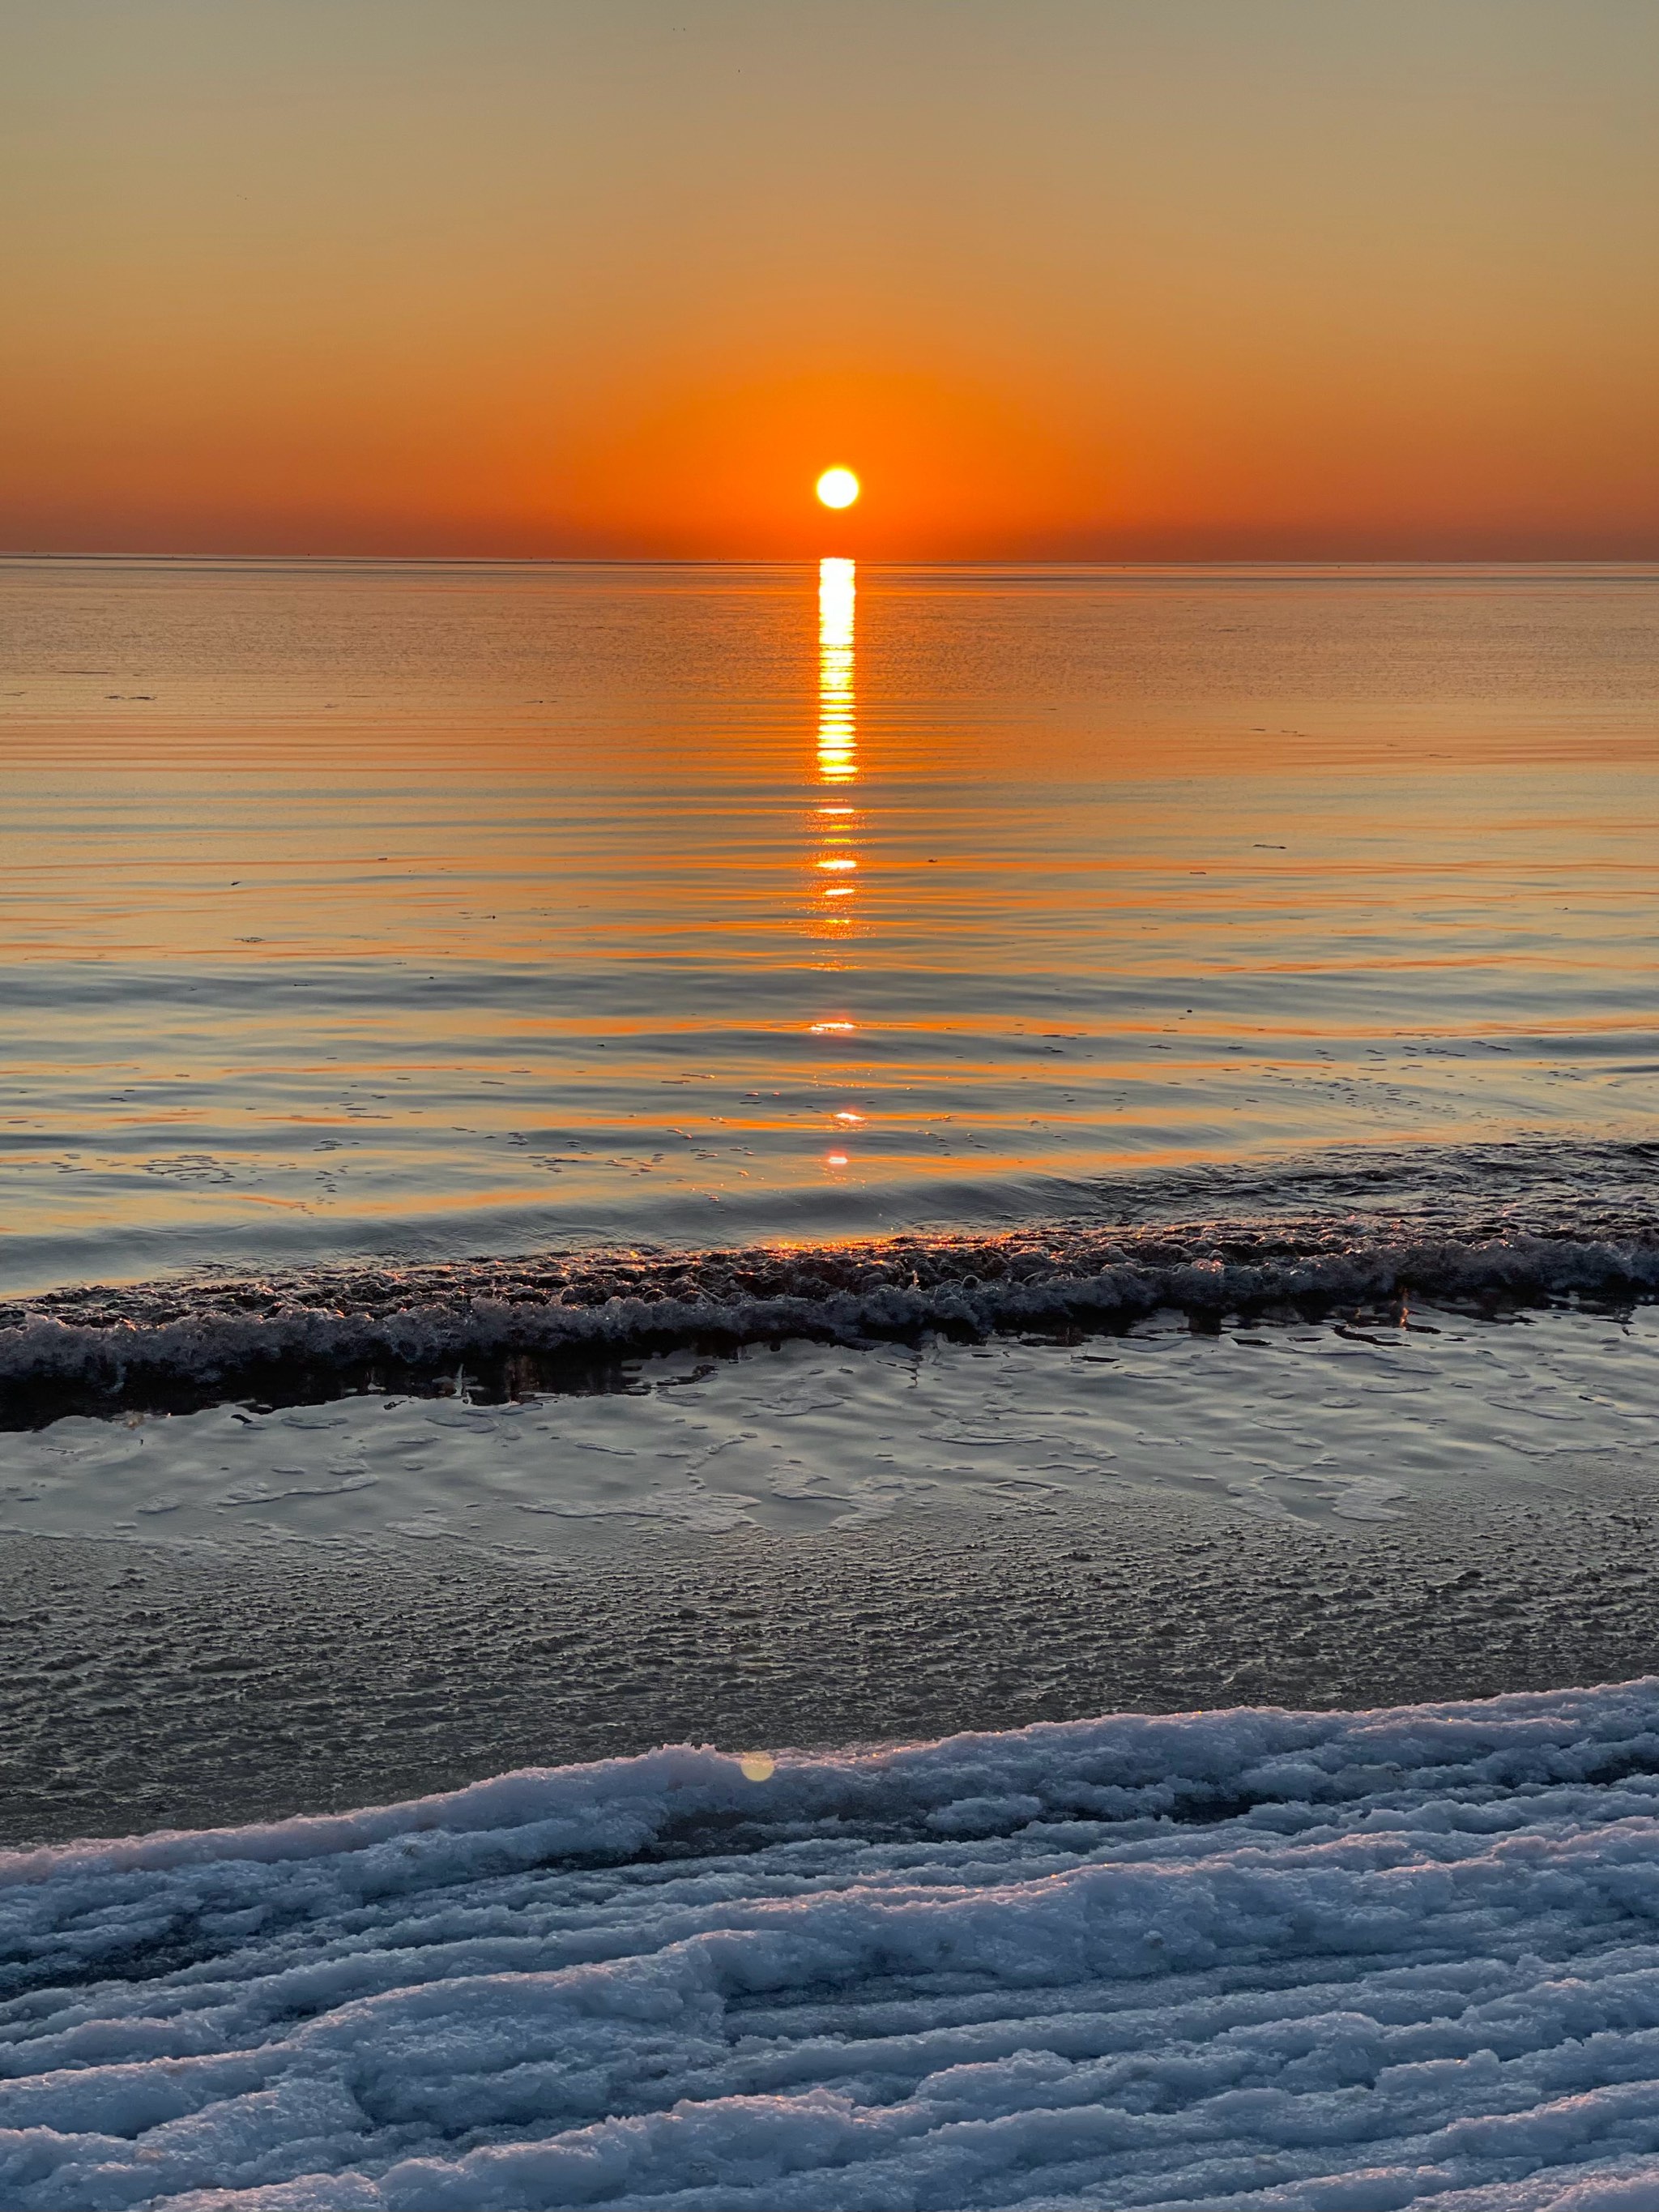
838 487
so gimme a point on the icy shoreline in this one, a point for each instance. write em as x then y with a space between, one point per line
1241 1958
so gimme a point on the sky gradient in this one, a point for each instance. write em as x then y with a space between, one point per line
1070 278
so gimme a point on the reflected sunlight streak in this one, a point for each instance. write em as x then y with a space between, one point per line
837 754
837 762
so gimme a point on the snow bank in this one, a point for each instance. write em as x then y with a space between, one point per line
1249 1959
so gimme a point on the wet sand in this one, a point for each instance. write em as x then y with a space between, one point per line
147 1688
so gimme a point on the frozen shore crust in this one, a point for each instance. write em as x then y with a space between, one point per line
1257 1958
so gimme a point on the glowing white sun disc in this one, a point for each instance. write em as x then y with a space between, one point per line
838 487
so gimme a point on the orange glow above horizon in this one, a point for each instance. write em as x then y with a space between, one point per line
1135 282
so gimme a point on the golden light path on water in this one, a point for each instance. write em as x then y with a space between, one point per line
837 738
836 860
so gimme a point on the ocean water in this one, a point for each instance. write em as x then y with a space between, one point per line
808 1160
369 911
524 1057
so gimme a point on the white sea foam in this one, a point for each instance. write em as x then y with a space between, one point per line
1249 1959
189 1342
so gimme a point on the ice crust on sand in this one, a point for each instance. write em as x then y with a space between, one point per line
1257 1958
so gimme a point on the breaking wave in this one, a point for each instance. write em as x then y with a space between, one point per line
1508 1228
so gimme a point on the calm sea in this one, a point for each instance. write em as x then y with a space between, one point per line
409 912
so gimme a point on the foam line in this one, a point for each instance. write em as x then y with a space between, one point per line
185 1343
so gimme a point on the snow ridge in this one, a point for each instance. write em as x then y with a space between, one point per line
1247 1958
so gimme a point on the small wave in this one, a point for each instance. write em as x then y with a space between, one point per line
505 1327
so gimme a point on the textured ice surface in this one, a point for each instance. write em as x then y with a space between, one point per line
1249 1959
1321 1423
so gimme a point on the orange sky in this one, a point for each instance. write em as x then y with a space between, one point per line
1156 278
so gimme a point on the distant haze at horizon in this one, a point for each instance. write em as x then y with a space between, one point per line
1118 280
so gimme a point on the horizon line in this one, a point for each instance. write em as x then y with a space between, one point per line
1622 560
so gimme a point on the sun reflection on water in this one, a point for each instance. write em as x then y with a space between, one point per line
834 862
837 750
